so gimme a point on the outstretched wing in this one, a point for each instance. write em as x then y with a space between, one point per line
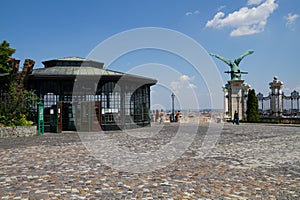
238 60
227 61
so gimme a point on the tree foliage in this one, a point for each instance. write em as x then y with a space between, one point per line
16 103
5 54
252 107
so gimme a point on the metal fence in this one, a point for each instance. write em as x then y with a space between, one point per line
279 105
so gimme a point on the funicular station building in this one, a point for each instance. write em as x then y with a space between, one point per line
79 94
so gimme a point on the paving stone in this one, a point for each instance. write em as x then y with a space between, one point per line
249 161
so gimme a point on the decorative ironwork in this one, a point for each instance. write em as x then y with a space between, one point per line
290 105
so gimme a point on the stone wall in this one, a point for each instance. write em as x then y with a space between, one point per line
19 131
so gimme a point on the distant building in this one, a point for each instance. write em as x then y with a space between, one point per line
80 94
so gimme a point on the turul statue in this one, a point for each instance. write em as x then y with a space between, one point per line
235 71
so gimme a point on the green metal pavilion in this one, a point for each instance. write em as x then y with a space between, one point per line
79 94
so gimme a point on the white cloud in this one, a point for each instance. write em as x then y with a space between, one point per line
196 12
185 91
245 21
191 85
184 78
188 13
175 85
254 2
221 8
182 83
290 20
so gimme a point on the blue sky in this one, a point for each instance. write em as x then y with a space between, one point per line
44 30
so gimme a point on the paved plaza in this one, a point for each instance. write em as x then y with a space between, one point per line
249 161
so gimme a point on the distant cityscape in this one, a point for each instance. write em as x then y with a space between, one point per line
188 116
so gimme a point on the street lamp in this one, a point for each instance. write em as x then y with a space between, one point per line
172 119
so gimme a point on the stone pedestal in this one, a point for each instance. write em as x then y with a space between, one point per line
235 98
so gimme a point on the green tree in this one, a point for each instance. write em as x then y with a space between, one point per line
16 103
5 66
5 54
252 107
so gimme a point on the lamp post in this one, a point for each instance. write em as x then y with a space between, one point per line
172 112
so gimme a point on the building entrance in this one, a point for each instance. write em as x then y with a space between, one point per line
67 116
88 118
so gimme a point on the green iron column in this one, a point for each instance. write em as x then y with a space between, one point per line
40 108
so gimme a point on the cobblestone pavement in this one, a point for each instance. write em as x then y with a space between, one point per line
249 161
